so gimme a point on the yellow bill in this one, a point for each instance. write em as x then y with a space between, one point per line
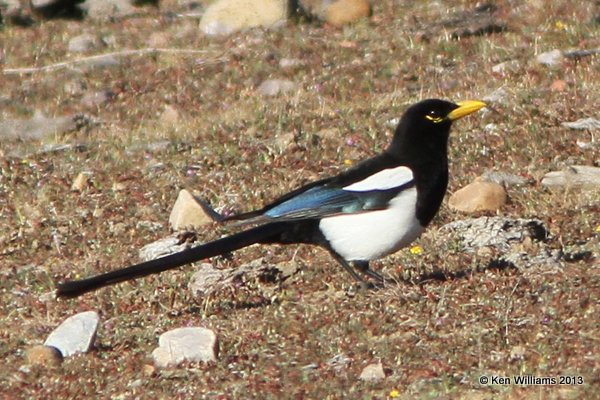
465 108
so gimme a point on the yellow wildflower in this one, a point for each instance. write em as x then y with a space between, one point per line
416 250
560 25
394 394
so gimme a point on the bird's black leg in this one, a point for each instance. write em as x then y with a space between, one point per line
347 267
363 266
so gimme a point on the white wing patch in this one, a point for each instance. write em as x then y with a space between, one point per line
386 179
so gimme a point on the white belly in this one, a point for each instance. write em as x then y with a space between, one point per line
374 234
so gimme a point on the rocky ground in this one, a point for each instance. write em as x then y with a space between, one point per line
110 108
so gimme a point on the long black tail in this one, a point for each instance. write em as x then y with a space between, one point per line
261 234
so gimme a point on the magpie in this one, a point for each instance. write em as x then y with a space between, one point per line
369 211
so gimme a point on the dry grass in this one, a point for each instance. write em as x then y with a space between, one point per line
434 339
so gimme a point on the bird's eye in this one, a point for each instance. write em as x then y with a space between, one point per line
434 117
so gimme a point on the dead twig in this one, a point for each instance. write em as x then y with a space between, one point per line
84 60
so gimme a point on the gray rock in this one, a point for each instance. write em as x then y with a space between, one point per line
339 362
37 127
581 176
11 8
550 58
224 17
281 142
577 54
499 95
506 67
500 233
76 334
273 87
289 63
96 99
162 247
82 43
102 61
584 123
208 280
372 372
518 242
106 9
185 344
503 178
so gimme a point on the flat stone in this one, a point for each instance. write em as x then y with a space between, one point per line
282 141
339 362
478 196
37 127
583 124
503 178
506 67
580 176
551 58
224 17
372 372
499 233
499 95
82 43
162 247
107 9
273 87
191 344
206 279
188 212
96 98
76 334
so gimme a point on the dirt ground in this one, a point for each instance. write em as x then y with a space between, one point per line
174 120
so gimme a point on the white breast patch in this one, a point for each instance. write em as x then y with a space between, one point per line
374 234
385 179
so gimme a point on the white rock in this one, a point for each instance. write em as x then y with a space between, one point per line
273 87
82 43
574 176
224 17
76 334
503 178
36 127
185 344
506 66
94 99
42 3
206 279
372 372
499 95
290 63
550 58
583 123
162 247
105 9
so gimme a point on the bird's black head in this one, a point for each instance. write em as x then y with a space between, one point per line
425 126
